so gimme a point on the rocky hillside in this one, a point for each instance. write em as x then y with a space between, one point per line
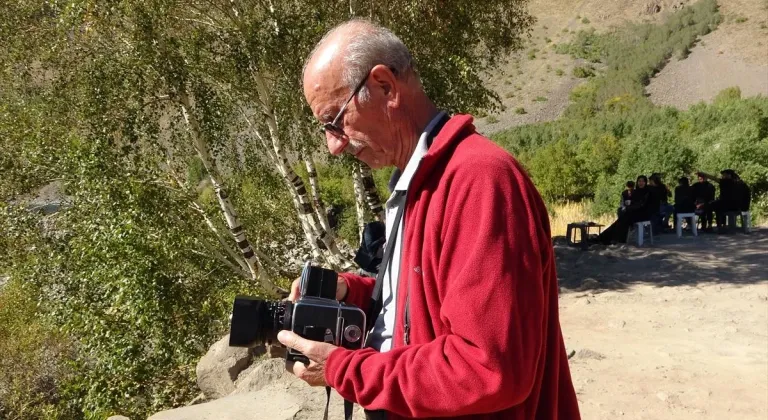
536 82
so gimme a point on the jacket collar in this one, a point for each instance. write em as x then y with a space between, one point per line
455 129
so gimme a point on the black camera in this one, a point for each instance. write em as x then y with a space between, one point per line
316 315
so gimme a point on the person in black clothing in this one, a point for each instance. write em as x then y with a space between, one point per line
704 195
660 218
684 198
641 207
626 198
743 193
729 199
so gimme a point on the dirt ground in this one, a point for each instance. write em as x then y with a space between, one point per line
678 330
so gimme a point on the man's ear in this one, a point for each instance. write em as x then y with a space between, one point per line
385 82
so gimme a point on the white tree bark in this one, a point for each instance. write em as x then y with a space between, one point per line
320 209
313 230
371 194
230 215
360 204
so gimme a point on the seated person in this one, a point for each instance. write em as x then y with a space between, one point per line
643 205
729 200
661 192
704 195
626 198
684 198
743 193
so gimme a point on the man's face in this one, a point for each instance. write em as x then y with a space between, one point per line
368 130
702 179
641 183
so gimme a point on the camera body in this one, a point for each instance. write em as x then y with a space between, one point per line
316 315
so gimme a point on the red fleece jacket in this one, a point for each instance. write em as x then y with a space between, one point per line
478 262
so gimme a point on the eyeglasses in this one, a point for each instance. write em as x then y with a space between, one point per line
332 126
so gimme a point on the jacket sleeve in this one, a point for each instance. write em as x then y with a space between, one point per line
359 289
490 280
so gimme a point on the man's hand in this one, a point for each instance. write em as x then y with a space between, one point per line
341 289
316 352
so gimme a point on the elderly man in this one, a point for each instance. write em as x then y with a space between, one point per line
465 309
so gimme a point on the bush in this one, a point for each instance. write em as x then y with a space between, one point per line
560 181
540 99
583 72
33 358
559 72
491 119
585 21
520 111
728 95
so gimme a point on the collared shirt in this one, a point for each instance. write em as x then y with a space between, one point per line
380 337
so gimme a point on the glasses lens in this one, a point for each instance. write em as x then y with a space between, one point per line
332 129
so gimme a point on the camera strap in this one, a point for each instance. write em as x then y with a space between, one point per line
348 406
377 296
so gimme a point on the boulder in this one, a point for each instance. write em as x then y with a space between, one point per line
263 405
219 368
262 374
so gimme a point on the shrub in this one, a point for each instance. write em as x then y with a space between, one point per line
540 99
585 21
33 358
583 72
559 72
727 95
520 111
491 119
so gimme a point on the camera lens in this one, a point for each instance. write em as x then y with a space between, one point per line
256 321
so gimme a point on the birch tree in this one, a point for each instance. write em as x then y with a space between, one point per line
232 69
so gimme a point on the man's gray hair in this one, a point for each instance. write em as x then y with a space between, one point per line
372 46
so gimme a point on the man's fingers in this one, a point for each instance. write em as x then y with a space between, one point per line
294 291
294 341
297 368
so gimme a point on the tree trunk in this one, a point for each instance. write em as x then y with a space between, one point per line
371 194
360 204
320 209
313 230
230 215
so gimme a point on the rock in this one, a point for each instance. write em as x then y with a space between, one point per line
589 354
118 418
589 284
260 375
218 369
276 351
198 399
652 8
263 405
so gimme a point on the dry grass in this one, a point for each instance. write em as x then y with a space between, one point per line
562 214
